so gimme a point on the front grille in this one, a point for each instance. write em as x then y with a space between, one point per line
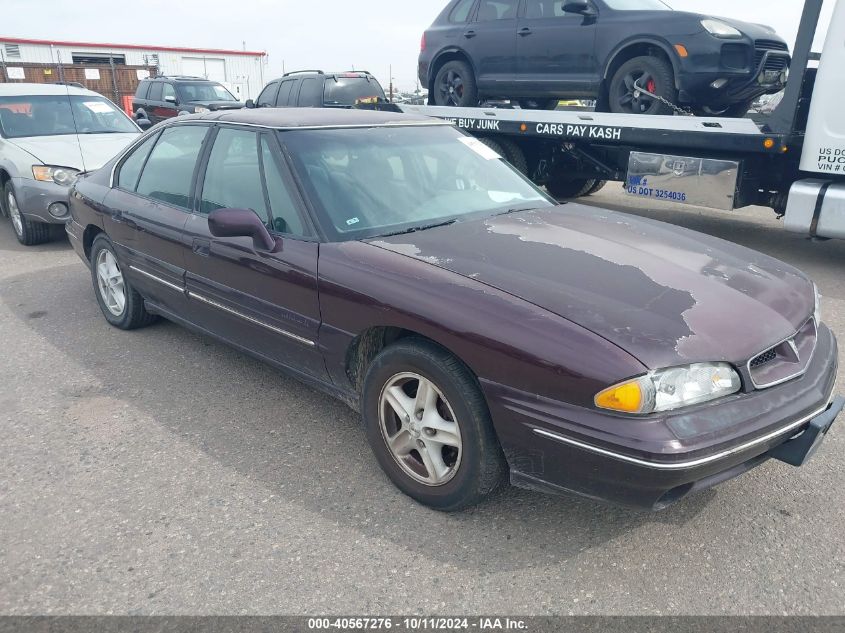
785 361
762 359
775 62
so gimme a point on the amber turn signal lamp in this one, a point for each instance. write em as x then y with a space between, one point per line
627 398
682 50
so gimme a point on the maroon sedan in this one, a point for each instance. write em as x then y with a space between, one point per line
481 329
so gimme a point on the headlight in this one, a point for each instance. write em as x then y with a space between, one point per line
817 310
718 28
60 175
669 389
200 110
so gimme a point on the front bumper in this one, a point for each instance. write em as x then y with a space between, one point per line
654 462
725 72
35 197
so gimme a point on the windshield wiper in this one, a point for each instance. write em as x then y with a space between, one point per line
516 210
417 229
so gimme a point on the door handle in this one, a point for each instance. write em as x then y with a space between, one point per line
470 34
525 31
201 247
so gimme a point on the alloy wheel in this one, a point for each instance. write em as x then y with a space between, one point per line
451 88
110 283
630 95
15 214
420 429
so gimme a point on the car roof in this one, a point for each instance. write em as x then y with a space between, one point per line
362 74
29 89
287 118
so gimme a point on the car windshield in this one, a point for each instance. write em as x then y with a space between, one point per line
55 115
203 91
638 5
350 91
369 182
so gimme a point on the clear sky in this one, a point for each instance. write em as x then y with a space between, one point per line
329 34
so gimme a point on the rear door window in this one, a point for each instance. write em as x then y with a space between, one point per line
311 94
285 92
143 90
491 10
169 172
460 13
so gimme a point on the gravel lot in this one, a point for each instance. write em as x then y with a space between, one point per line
157 472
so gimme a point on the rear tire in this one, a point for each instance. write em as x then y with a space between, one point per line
514 155
538 104
651 72
600 184
565 189
29 232
454 85
119 302
441 451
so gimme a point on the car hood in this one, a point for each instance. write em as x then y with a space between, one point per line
666 295
219 105
684 22
85 152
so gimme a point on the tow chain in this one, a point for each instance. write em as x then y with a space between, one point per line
676 108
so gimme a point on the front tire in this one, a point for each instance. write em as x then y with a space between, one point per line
29 232
735 111
429 426
454 85
119 302
655 74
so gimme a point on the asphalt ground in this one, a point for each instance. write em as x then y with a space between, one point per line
159 472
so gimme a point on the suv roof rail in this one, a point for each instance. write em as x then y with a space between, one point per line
299 72
179 77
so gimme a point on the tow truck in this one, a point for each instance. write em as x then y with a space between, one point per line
791 160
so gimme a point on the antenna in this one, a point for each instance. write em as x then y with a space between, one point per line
76 128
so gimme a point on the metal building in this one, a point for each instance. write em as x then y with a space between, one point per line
241 71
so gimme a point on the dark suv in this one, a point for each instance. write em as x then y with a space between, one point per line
633 56
317 89
166 97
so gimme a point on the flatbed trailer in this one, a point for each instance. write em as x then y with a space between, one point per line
792 160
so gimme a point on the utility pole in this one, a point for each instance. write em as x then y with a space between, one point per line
3 63
391 83
114 79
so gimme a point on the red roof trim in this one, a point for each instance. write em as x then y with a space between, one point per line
172 49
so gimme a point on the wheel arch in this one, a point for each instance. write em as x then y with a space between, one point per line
5 177
368 344
451 54
639 47
89 235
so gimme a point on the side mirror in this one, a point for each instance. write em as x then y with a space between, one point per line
250 104
241 223
144 124
170 99
581 7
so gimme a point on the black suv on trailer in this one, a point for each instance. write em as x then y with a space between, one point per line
623 53
163 98
317 89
